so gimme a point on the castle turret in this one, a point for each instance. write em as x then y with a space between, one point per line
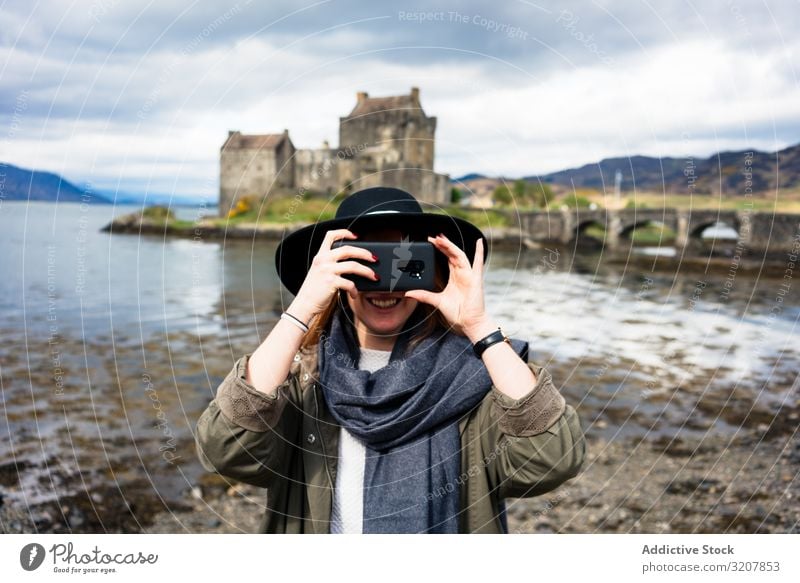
389 141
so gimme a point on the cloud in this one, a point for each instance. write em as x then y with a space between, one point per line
691 98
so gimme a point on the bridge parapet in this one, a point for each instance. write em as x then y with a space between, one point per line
763 231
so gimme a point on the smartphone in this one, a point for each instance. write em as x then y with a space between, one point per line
401 265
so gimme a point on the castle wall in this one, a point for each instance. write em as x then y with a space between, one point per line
254 172
316 170
245 172
418 142
426 186
285 165
409 132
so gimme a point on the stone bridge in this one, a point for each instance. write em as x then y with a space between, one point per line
770 232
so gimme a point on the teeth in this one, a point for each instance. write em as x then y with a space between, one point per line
384 303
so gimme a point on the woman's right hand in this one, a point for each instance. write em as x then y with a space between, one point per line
324 278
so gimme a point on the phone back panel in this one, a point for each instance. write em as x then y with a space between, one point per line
401 266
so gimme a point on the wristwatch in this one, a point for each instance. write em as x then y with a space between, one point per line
487 341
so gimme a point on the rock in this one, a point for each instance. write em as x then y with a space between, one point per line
43 521
636 505
690 486
235 490
517 510
76 520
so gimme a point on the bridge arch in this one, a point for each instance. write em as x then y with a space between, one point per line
627 230
697 231
590 230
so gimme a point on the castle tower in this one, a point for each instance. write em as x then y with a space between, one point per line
389 141
254 164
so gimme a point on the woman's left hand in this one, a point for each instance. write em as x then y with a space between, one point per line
461 302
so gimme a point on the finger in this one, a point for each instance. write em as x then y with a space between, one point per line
355 268
424 296
451 250
335 234
349 286
350 251
477 261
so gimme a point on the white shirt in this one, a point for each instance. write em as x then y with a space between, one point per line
347 513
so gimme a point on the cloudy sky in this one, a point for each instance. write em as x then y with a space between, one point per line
139 96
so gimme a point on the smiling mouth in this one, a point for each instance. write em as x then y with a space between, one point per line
384 303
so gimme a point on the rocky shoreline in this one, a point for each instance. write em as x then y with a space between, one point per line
501 238
675 486
745 483
205 228
212 229
715 485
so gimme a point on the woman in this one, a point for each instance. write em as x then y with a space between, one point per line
388 411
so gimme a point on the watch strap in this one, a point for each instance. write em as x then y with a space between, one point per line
488 340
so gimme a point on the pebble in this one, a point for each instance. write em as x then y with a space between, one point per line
235 490
44 520
76 521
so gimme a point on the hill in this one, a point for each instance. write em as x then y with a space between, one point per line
727 172
23 184
466 178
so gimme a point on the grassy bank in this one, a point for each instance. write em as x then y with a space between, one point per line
287 211
781 201
278 213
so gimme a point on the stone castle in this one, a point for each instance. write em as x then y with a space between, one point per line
384 141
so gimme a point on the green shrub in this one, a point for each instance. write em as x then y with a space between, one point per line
158 213
480 218
502 195
632 204
572 201
541 194
338 198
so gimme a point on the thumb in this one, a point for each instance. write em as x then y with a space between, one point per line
423 296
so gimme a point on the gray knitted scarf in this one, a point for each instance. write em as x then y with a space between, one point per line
407 415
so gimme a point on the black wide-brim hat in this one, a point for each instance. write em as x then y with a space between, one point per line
367 210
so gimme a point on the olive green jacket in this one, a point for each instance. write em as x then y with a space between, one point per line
287 442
